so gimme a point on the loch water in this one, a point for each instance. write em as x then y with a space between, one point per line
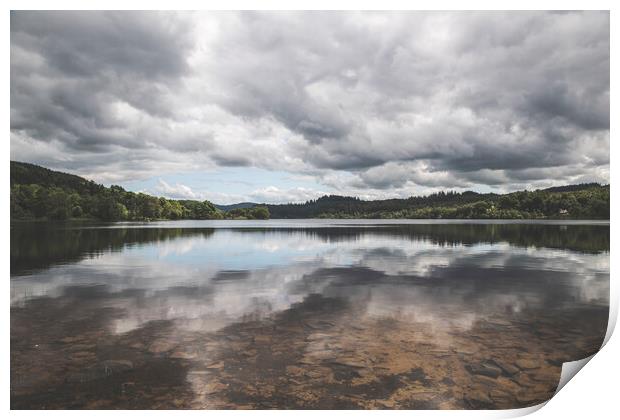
318 314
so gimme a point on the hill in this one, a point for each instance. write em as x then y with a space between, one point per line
29 174
584 201
244 205
342 206
38 192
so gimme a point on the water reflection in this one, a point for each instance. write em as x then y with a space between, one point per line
395 316
40 245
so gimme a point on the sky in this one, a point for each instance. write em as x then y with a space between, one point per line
288 106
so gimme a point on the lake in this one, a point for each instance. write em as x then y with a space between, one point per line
319 314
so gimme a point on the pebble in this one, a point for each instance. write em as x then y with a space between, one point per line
508 368
475 398
527 363
161 346
484 370
216 365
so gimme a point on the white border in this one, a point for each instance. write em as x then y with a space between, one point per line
593 395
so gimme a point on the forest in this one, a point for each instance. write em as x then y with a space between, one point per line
40 193
585 201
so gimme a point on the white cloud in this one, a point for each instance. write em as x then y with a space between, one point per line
178 191
274 194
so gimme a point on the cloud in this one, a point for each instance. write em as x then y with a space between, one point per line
178 191
274 194
366 103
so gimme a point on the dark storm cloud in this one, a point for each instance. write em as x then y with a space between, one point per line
70 71
560 100
83 44
231 160
364 102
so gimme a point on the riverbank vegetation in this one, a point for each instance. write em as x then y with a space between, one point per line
585 201
40 193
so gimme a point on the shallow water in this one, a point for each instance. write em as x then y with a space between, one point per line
302 314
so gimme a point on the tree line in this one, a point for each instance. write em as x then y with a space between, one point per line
40 193
585 201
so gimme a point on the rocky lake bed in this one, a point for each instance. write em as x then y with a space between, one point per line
348 336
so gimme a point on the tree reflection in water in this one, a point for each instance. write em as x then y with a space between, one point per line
373 316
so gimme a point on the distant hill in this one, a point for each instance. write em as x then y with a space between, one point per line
583 201
244 205
343 206
574 187
27 174
589 200
38 192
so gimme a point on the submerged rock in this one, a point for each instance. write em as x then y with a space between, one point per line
484 369
507 368
161 346
216 365
478 399
527 363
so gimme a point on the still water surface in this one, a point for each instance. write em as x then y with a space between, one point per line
302 313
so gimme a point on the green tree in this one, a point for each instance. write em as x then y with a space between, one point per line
260 213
